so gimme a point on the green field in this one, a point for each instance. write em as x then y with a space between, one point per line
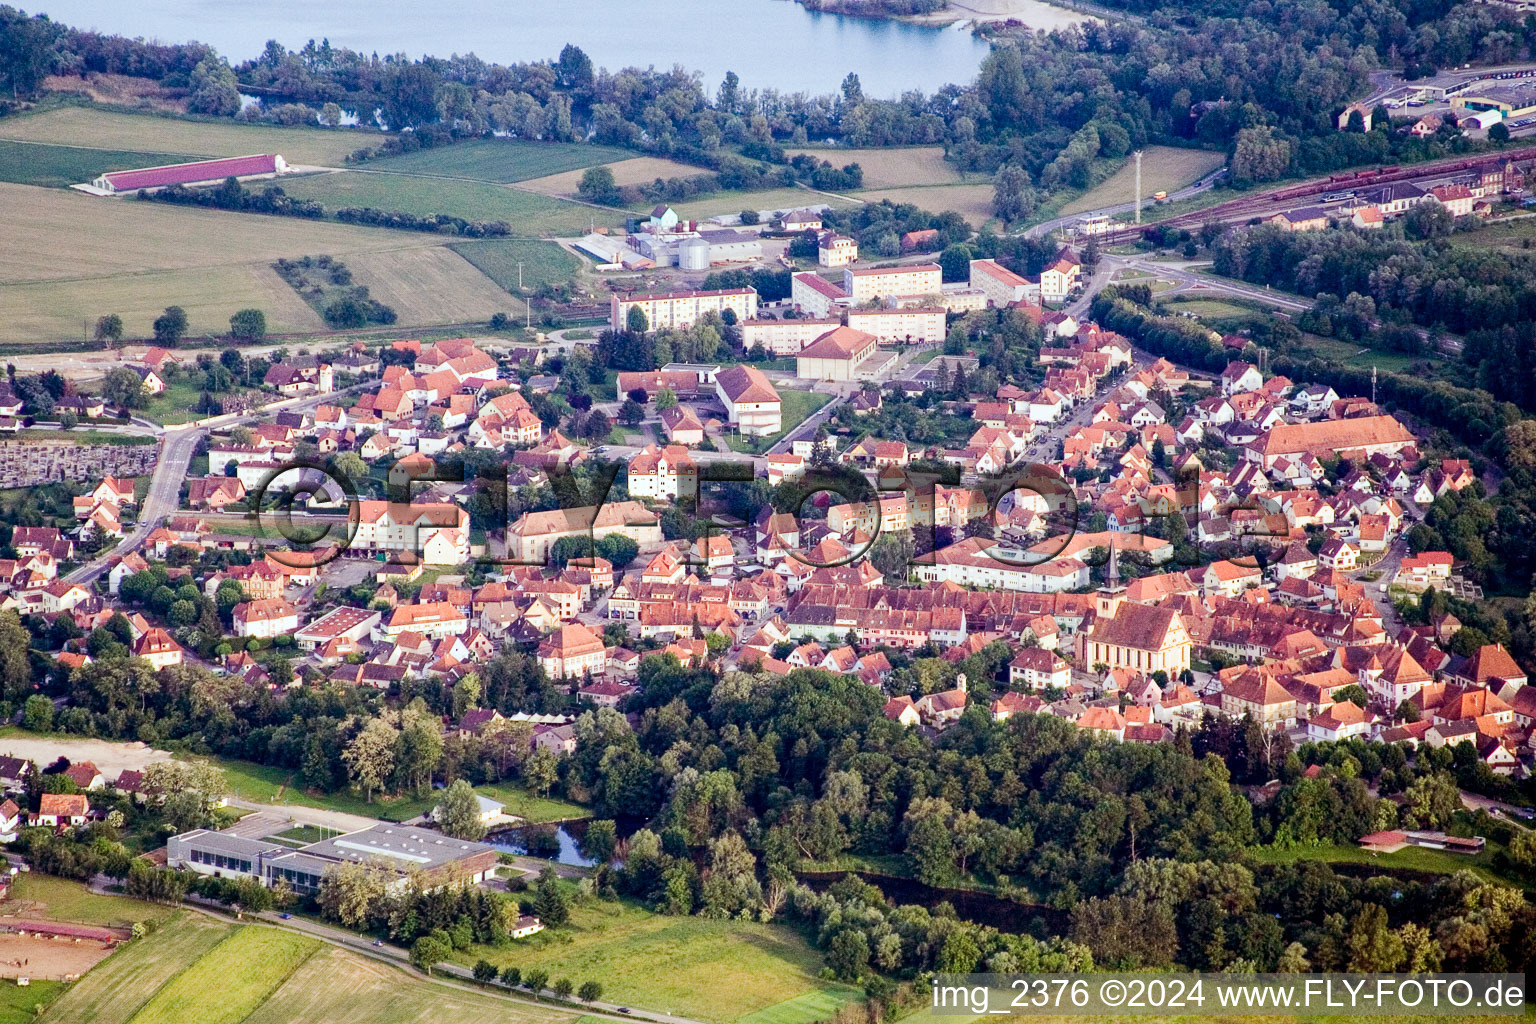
497 258
20 1005
772 199
528 213
112 991
525 805
1412 858
176 404
1163 169
1209 309
721 971
1360 356
188 138
269 785
337 987
230 981
500 160
199 970
29 163
59 899
1511 234
795 406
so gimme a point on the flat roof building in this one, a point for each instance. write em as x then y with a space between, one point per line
436 858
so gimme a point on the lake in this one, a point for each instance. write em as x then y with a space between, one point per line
768 43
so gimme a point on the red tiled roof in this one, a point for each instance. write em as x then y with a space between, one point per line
199 170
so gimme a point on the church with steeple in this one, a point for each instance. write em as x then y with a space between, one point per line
1124 634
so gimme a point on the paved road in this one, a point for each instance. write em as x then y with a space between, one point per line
164 497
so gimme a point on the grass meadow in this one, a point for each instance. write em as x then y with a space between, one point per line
892 168
278 786
58 899
717 971
188 138
795 407
501 160
31 163
530 215
721 203
430 286
1163 169
973 202
638 170
497 258
337 987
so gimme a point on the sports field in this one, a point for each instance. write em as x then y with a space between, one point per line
528 213
497 258
1163 169
430 286
722 971
31 163
635 171
973 202
892 168
500 160
110 130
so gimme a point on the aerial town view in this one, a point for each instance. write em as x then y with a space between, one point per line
767 511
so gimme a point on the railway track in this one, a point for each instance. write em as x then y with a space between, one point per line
1262 204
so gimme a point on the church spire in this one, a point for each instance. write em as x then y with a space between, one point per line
1112 573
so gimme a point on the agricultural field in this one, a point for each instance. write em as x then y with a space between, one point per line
503 160
973 202
639 170
31 163
196 968
110 130
227 983
718 971
892 168
767 201
497 258
529 214
64 265
125 981
1163 169
338 987
430 286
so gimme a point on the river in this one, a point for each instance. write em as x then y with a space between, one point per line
768 43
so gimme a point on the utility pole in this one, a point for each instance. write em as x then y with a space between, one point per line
1138 186
519 275
1373 384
